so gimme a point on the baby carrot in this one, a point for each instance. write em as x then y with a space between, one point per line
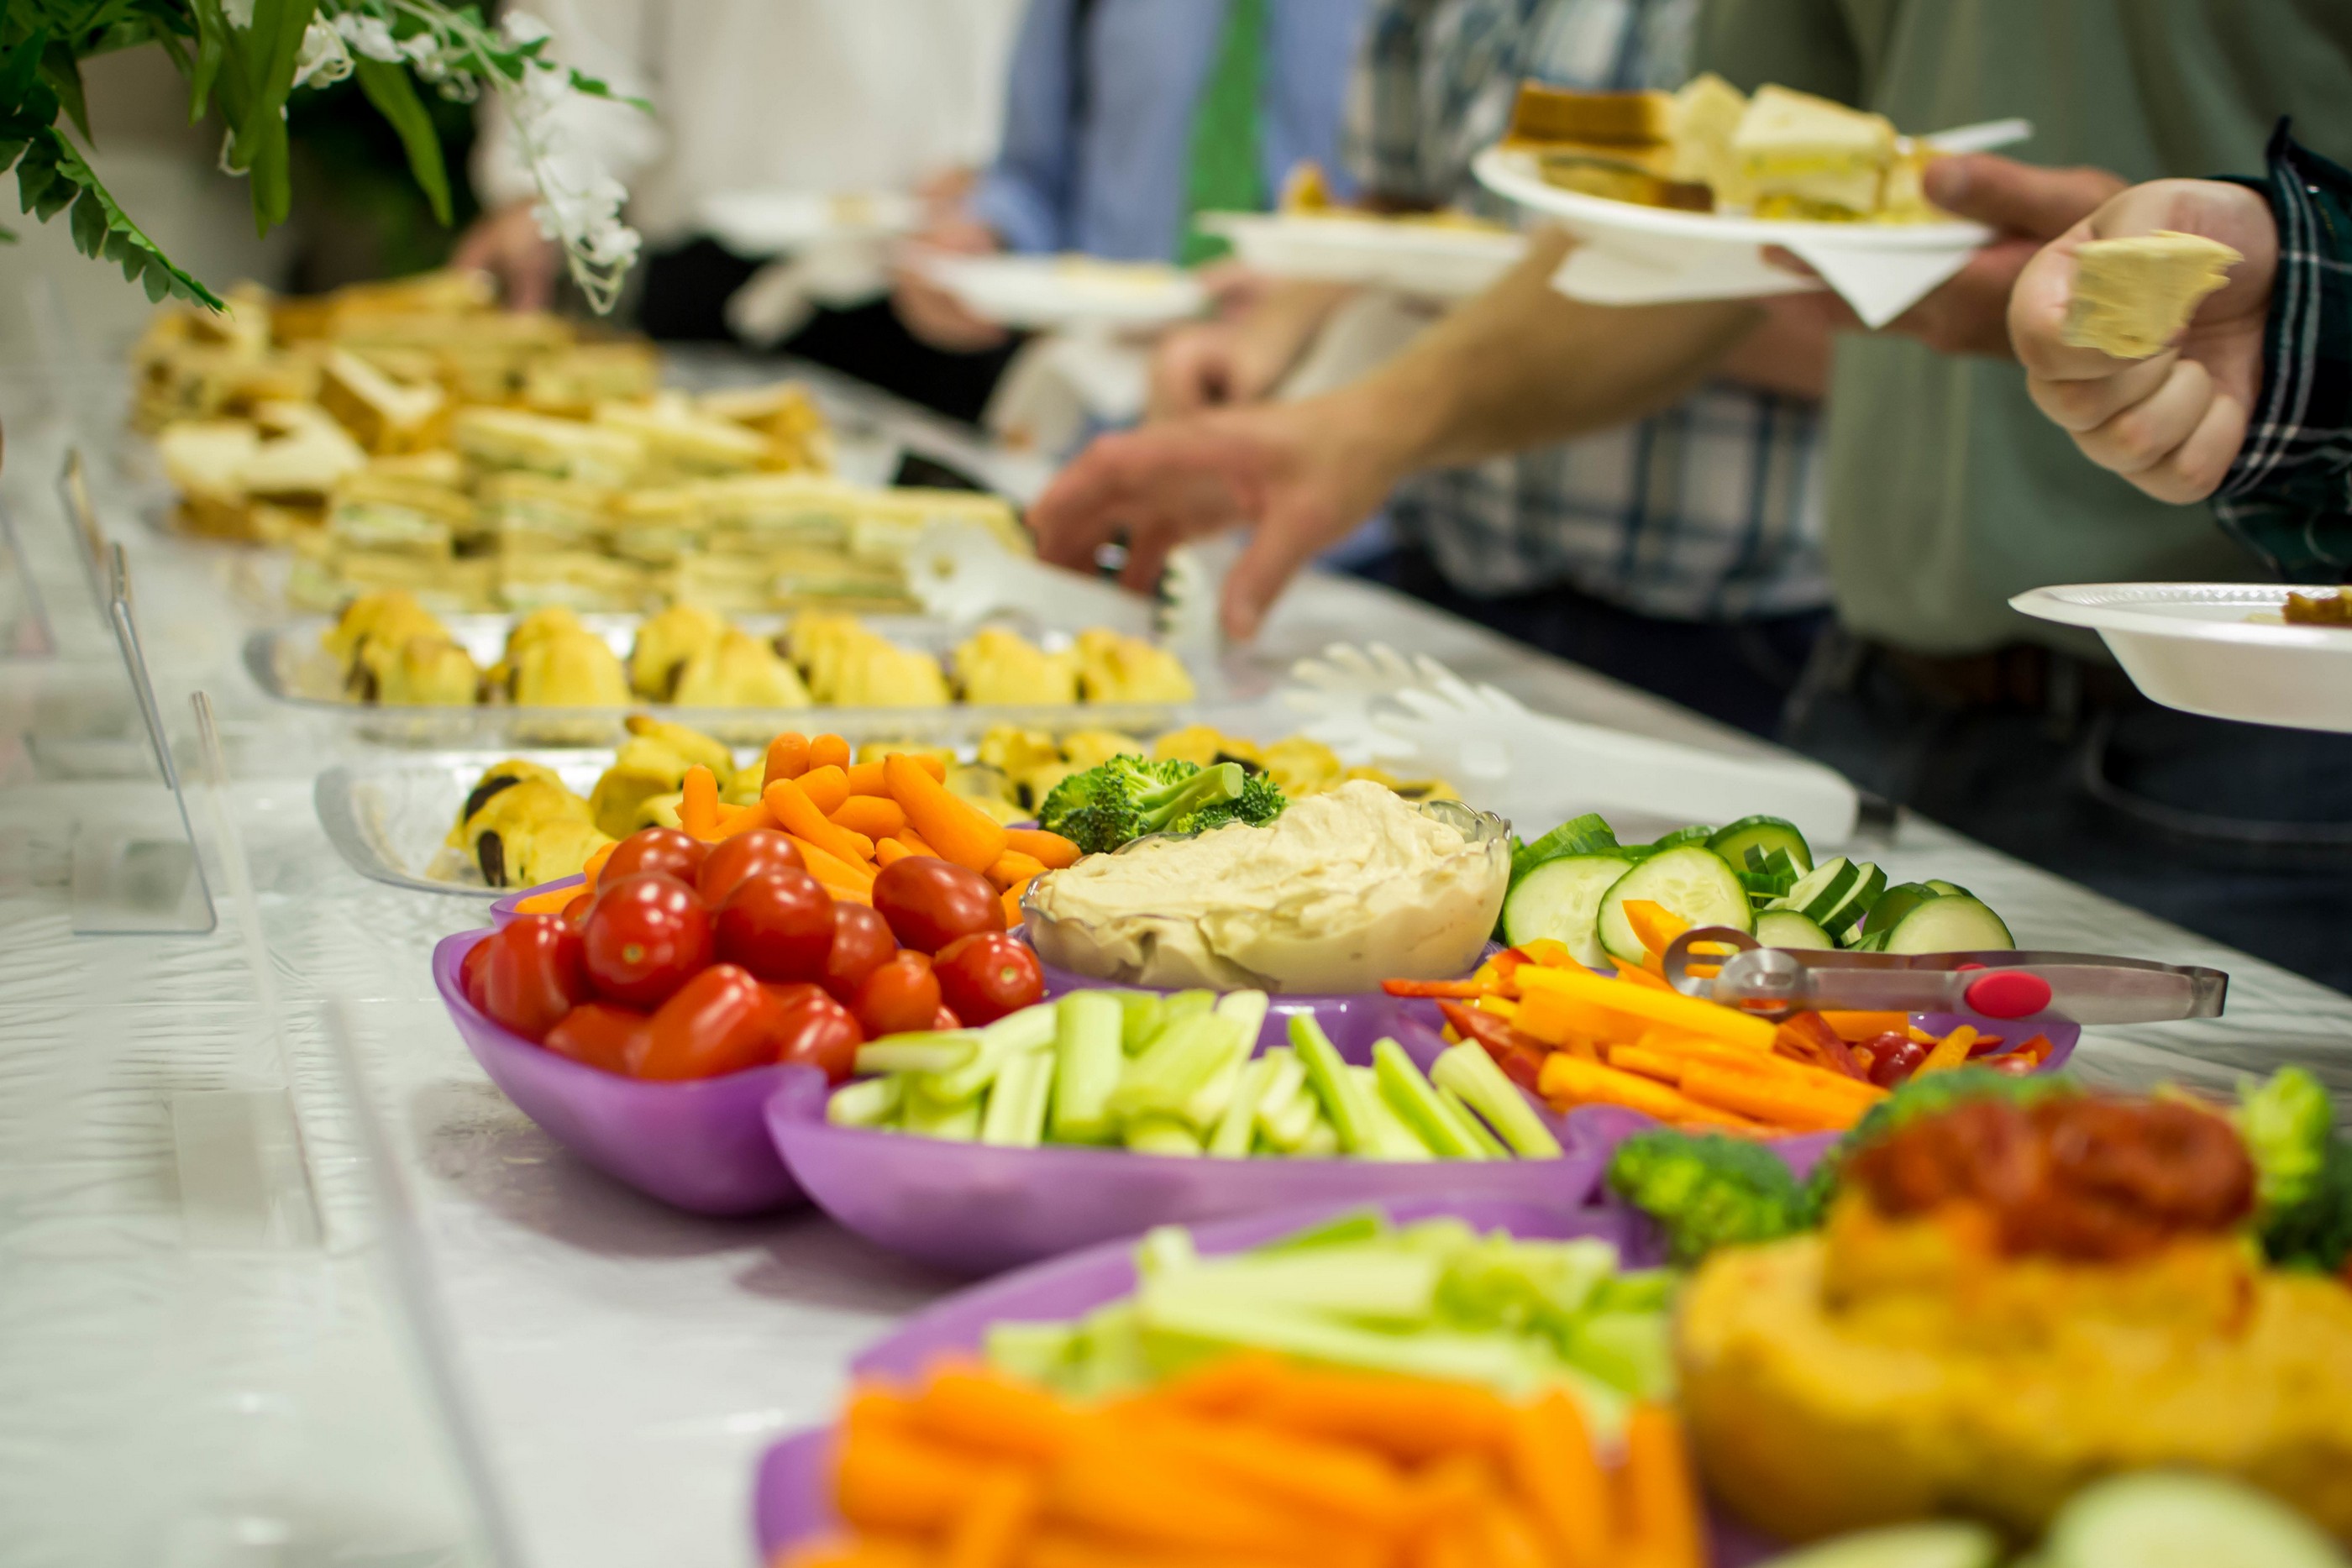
596 866
549 903
1010 898
797 815
831 869
912 841
975 1407
893 1480
961 832
828 751
876 816
889 852
734 819
1508 1537
787 759
698 813
1051 850
827 784
1012 866
866 778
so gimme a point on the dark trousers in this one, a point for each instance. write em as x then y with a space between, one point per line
684 299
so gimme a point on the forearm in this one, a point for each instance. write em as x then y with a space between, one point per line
1523 365
1788 353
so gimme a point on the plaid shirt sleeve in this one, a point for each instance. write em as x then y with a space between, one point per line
2289 494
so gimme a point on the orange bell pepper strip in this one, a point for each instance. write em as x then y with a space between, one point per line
697 812
1858 1026
1662 1006
958 830
1459 990
1950 1053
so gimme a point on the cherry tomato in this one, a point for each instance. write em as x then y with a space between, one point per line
575 914
898 998
930 902
815 1030
987 976
599 1035
862 944
2017 1064
470 970
665 850
647 935
945 1019
1895 1058
787 995
730 861
533 974
721 1021
777 924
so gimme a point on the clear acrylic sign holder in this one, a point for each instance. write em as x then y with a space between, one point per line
25 631
141 876
89 538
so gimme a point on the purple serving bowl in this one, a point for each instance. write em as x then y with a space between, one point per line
701 1145
792 1498
974 1209
506 911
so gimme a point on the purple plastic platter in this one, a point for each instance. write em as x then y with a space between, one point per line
701 1145
791 1501
974 1209
505 911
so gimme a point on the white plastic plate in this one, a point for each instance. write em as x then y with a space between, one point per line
769 222
1046 292
1436 261
2195 646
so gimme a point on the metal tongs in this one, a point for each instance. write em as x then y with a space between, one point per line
1731 969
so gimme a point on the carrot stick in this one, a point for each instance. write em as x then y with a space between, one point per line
1130 1487
1567 1079
989 1531
1223 1386
1409 1419
697 812
1012 866
889 852
594 867
1446 1494
866 778
787 759
1661 1499
831 869
1342 1480
913 842
969 1405
1507 1537
1551 1462
876 816
1780 1103
798 815
1051 850
877 1406
892 1481
962 832
828 786
828 751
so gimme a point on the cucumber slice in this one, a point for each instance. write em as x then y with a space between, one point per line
1843 917
1948 925
1762 834
1954 888
1695 884
1821 890
1786 928
1561 899
1588 835
1895 903
1694 834
1936 1544
2177 1519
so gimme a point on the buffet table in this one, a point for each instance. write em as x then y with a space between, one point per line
284 1278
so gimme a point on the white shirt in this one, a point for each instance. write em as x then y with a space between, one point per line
811 96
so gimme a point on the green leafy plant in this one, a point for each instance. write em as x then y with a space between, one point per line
244 59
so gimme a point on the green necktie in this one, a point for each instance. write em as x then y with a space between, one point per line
1221 173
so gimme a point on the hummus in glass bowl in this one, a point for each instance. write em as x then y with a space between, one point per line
1341 892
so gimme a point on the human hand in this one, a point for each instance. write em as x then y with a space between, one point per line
2171 423
2025 204
1241 355
506 243
928 309
1305 473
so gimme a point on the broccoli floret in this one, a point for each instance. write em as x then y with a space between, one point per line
2287 1125
1709 1191
1260 802
2317 1231
1128 797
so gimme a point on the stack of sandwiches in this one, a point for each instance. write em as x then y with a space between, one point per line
1710 148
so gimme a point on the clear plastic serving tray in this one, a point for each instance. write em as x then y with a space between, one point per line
289 663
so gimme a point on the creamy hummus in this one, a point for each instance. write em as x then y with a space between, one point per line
1342 891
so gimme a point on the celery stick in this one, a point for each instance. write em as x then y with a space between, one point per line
1471 1125
1499 1360
1165 1250
1140 1016
1246 1011
1285 1083
867 1103
1232 1139
1030 1029
1035 1353
1188 1004
1469 1072
1341 1229
1154 1135
1088 1061
1408 1095
1188 1073
1321 1142
1630 1352
928 1117
1373 1280
1344 1100
1015 1118
933 1052
1392 1136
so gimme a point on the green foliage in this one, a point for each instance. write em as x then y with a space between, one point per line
2302 1170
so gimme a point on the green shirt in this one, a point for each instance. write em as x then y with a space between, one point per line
1947 490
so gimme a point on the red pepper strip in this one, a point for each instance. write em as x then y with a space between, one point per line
1464 988
2038 1048
1823 1043
1520 1058
1504 967
1985 1044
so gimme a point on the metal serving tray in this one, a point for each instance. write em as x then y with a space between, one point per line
288 662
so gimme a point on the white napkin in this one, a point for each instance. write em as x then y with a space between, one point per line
1882 284
1616 269
1063 385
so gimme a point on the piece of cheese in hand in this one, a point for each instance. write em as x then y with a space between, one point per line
2132 296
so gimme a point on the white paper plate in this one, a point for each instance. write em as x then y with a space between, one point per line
769 222
1635 255
1434 260
2190 645
1045 292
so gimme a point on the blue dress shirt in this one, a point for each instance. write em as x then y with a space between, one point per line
1109 178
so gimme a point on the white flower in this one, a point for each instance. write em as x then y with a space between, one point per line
322 58
372 36
239 13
